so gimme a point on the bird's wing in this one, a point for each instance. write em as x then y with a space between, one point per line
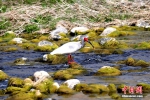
69 47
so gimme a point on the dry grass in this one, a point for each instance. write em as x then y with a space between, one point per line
90 13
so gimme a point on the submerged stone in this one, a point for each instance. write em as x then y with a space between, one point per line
20 61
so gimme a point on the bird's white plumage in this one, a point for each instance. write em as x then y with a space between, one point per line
69 47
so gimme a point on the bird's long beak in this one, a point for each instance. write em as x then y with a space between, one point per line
91 44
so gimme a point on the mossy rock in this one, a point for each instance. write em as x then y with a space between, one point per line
115 96
19 61
46 48
75 65
92 35
142 45
98 30
130 61
141 63
96 88
80 86
8 36
27 46
145 87
119 88
3 76
110 71
86 50
52 89
43 38
112 88
16 82
76 71
121 33
130 28
56 59
2 92
10 49
44 86
63 75
28 81
24 96
65 90
35 40
14 90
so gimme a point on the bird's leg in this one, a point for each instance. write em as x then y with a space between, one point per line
70 59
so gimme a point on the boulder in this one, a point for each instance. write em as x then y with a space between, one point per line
44 43
107 31
108 71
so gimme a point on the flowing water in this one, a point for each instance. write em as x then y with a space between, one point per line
92 62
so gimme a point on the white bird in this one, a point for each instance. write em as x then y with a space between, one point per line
70 47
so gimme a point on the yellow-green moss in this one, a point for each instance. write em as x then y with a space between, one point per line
8 36
96 88
119 88
145 87
24 96
44 86
63 75
28 81
115 96
16 82
11 49
130 28
133 62
98 30
76 71
27 46
65 90
56 59
46 48
92 35
52 89
43 38
80 86
35 40
19 61
108 71
86 49
142 45
3 75
141 63
130 61
112 88
121 33
75 65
